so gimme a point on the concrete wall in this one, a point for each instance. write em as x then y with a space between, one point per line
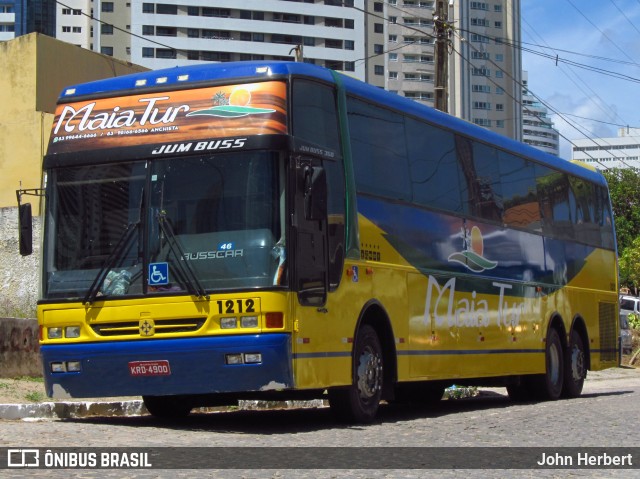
19 275
19 348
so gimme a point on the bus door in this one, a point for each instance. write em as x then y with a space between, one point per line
310 226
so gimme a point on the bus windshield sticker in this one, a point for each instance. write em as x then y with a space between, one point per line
471 256
184 117
158 274
232 106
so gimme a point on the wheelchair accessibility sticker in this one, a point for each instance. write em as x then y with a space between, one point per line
158 274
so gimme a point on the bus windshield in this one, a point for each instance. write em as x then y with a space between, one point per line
177 225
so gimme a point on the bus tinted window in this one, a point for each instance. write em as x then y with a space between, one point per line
480 166
378 145
518 183
314 114
436 176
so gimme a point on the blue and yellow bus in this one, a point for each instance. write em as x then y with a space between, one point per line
277 230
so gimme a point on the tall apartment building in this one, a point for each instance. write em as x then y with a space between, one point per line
622 151
484 62
537 128
179 32
485 71
7 20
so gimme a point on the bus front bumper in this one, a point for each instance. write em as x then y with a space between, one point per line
158 367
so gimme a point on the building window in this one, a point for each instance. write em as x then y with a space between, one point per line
349 66
107 7
348 23
393 75
66 29
377 6
499 74
107 51
378 49
148 30
105 29
167 31
148 52
482 122
393 57
349 45
331 43
499 107
165 53
148 8
481 105
77 12
378 28
481 88
378 70
165 9
66 11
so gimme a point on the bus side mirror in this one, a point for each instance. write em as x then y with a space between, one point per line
25 229
315 193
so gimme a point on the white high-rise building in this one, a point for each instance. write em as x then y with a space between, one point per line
73 22
537 128
7 21
182 32
622 151
486 65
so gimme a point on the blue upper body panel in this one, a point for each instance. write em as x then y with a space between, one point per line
232 71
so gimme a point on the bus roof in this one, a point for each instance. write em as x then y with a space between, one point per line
214 72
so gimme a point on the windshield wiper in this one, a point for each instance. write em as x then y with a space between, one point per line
120 246
193 284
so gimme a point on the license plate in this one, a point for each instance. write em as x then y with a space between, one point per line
150 368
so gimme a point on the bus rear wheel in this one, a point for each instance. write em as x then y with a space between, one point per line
360 401
167 407
575 370
548 386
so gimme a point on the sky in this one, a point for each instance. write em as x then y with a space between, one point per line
588 104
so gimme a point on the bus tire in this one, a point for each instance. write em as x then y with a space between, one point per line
548 386
359 402
167 407
575 369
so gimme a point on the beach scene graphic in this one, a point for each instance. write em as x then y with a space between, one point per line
471 257
233 106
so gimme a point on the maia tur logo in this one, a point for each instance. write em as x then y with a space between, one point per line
471 257
234 106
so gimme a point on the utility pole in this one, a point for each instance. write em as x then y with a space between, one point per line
442 30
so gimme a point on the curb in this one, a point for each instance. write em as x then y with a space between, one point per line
70 410
83 409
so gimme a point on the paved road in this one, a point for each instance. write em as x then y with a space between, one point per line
605 416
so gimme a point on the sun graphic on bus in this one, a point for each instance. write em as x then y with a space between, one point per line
472 255
233 106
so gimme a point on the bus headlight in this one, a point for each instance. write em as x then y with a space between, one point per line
228 323
72 332
54 333
249 322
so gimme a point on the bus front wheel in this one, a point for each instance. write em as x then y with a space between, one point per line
360 401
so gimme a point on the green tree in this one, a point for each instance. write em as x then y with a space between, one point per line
629 265
624 188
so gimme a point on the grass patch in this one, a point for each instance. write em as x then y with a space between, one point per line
34 396
31 379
